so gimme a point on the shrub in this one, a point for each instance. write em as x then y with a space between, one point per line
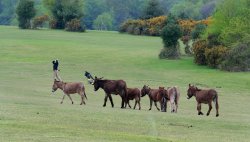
170 53
199 48
214 56
53 24
39 21
75 26
238 59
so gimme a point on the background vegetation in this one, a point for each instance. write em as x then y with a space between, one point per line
30 113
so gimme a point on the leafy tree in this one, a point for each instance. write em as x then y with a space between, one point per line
92 9
104 22
64 11
25 11
170 35
153 9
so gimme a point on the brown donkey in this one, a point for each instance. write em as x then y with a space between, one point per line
173 95
204 96
134 93
70 88
153 94
112 87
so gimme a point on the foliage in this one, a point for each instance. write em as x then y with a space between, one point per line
75 25
64 11
170 52
25 11
214 56
153 9
199 48
170 35
39 21
104 22
231 21
238 58
7 11
197 31
151 26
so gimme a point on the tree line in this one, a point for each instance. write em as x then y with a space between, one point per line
109 14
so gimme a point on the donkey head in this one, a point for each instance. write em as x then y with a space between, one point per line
145 90
55 86
191 91
97 83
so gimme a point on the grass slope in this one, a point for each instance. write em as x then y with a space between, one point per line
28 111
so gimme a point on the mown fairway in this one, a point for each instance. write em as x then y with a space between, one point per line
28 111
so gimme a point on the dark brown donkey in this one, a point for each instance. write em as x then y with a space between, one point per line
153 94
112 87
204 96
70 88
134 93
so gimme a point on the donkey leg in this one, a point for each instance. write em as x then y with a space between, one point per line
128 104
105 100
217 109
150 104
135 103
210 108
139 105
82 97
199 109
156 106
70 98
63 98
111 100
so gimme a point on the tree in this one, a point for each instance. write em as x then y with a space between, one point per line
104 22
25 11
153 9
64 11
170 35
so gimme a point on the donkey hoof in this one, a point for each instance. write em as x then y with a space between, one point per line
104 105
207 114
61 102
217 115
200 113
72 102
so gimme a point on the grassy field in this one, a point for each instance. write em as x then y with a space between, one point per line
28 111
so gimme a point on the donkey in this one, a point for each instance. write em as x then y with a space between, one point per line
112 87
173 95
134 93
70 88
204 96
153 95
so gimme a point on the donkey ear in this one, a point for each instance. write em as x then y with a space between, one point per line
101 78
95 77
189 85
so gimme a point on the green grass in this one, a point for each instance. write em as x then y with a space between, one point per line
28 111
